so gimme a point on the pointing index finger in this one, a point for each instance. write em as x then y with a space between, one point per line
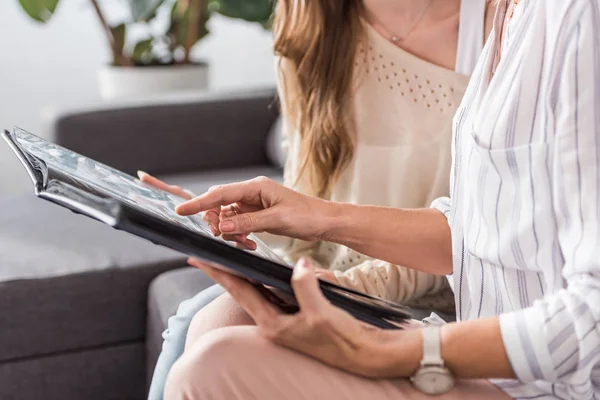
216 197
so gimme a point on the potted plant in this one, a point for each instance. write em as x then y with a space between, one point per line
159 60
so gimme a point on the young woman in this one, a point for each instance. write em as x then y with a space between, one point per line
368 90
520 233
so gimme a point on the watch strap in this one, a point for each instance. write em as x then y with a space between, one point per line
432 354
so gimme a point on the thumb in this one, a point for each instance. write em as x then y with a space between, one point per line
306 288
246 223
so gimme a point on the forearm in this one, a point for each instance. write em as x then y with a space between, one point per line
419 238
554 340
391 282
475 349
470 350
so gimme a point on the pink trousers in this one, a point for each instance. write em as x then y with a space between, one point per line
235 362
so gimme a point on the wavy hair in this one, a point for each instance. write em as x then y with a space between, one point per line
316 43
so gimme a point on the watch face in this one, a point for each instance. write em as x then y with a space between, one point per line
433 380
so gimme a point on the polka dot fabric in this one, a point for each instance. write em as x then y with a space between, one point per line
417 86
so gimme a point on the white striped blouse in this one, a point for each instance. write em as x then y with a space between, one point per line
524 208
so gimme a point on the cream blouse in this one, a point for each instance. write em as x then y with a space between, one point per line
403 109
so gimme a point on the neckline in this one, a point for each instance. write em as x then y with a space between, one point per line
489 79
391 48
487 84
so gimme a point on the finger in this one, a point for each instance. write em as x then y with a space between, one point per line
247 245
212 219
157 183
221 196
236 209
227 214
262 311
242 208
235 238
258 221
151 180
327 276
306 288
241 241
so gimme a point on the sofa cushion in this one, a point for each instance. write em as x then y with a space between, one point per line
68 282
100 373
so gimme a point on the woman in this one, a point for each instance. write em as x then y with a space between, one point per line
369 88
520 233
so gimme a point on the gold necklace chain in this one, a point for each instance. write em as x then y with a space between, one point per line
398 38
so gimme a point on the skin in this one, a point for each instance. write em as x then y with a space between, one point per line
148 179
472 349
435 37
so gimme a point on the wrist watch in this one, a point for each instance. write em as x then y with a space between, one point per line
432 377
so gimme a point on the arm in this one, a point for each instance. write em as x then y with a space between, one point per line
418 239
391 282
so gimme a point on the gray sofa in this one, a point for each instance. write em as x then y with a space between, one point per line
82 309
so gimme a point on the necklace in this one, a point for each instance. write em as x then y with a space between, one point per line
399 38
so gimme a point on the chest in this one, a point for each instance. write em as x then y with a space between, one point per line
508 105
503 152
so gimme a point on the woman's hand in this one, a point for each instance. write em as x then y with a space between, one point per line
157 183
261 205
241 240
324 331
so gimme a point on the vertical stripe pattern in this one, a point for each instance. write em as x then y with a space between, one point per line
524 207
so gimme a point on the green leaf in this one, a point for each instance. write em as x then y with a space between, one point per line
39 10
180 22
249 10
119 33
142 51
144 10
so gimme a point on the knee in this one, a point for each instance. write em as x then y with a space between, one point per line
178 324
199 372
221 313
197 327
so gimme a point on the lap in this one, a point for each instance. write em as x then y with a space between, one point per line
257 369
222 312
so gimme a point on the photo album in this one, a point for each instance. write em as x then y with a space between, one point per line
115 198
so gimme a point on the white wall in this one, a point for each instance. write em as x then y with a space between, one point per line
54 65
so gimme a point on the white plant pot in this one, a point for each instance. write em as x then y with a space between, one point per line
115 82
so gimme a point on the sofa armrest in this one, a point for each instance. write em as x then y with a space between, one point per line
166 135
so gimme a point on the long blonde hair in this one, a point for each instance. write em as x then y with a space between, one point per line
318 39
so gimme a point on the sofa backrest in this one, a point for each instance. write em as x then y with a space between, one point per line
166 136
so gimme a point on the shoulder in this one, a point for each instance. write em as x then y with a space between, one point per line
562 18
